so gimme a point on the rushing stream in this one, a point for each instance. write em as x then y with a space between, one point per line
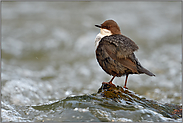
49 71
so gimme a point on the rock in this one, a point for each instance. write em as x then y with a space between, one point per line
122 95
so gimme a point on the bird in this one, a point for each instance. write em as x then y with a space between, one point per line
115 52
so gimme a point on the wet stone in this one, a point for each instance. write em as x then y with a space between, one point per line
121 95
110 104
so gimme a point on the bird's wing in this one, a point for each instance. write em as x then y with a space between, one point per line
119 48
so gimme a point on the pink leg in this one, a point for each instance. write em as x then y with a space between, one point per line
110 82
126 81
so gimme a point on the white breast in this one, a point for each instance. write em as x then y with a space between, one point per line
97 40
103 32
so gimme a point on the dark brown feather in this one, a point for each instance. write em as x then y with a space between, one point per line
115 55
118 48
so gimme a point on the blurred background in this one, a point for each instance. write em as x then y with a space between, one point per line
48 50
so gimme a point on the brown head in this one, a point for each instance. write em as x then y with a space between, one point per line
109 26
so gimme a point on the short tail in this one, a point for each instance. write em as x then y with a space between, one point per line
143 70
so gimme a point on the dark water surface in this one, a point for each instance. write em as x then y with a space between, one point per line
48 54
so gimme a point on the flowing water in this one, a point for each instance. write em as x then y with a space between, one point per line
48 55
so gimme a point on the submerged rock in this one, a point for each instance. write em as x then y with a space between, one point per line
109 104
122 95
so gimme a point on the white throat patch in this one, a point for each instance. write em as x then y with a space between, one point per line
103 33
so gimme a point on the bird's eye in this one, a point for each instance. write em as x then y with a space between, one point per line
108 27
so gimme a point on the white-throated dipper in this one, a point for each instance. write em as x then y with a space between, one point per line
115 52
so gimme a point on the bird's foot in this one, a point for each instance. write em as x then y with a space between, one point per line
125 87
109 83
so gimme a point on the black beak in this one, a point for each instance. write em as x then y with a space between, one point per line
99 26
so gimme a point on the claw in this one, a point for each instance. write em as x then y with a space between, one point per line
125 87
109 83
